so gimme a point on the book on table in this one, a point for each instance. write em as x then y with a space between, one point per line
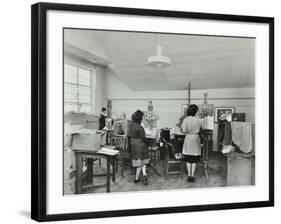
108 151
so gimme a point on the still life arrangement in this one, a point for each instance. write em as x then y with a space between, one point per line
150 122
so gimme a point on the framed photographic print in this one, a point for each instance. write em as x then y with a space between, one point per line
94 71
223 113
238 117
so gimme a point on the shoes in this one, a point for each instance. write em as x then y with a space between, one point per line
137 180
144 180
190 179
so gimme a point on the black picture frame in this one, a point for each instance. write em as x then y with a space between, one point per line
219 109
39 110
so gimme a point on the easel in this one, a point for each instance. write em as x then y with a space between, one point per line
153 153
152 161
207 137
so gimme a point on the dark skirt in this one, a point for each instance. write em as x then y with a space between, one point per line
191 159
139 149
139 152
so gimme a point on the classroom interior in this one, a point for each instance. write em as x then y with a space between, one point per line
115 70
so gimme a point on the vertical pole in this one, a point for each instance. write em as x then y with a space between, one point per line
108 160
114 161
90 170
79 172
189 96
109 108
205 98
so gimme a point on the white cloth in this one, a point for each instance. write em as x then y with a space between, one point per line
242 135
227 149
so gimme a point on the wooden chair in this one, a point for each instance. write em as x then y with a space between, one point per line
153 150
171 160
121 144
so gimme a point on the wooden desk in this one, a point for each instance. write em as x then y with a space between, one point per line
90 155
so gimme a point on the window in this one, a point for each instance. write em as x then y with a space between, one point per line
77 88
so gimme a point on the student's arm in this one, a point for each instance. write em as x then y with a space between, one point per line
183 126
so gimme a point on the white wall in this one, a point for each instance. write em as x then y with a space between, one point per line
99 94
168 103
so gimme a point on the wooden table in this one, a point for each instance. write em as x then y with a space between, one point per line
89 156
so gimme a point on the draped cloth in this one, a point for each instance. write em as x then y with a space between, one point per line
242 135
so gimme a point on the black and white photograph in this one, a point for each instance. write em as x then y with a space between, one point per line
151 111
140 112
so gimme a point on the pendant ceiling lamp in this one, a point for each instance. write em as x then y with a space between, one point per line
158 60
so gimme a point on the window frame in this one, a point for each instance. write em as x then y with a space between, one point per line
92 70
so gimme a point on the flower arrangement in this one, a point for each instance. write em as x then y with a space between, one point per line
150 123
150 116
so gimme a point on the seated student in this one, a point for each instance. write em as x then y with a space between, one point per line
192 147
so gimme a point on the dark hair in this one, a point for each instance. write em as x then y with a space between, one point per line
137 116
192 110
103 109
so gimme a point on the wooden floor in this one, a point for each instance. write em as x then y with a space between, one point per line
217 178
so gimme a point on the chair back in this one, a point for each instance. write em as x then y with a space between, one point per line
169 148
165 134
120 141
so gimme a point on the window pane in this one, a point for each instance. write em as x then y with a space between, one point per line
77 89
84 95
84 77
84 99
70 107
84 91
70 93
70 73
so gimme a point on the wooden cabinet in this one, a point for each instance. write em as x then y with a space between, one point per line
240 169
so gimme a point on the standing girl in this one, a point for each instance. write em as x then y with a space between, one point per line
138 146
192 147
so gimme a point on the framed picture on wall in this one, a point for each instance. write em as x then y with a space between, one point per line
223 113
86 57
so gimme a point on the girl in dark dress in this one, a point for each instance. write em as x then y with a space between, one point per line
138 146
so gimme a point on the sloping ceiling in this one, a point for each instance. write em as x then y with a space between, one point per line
207 62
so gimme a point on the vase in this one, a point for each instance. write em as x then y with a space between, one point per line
150 106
